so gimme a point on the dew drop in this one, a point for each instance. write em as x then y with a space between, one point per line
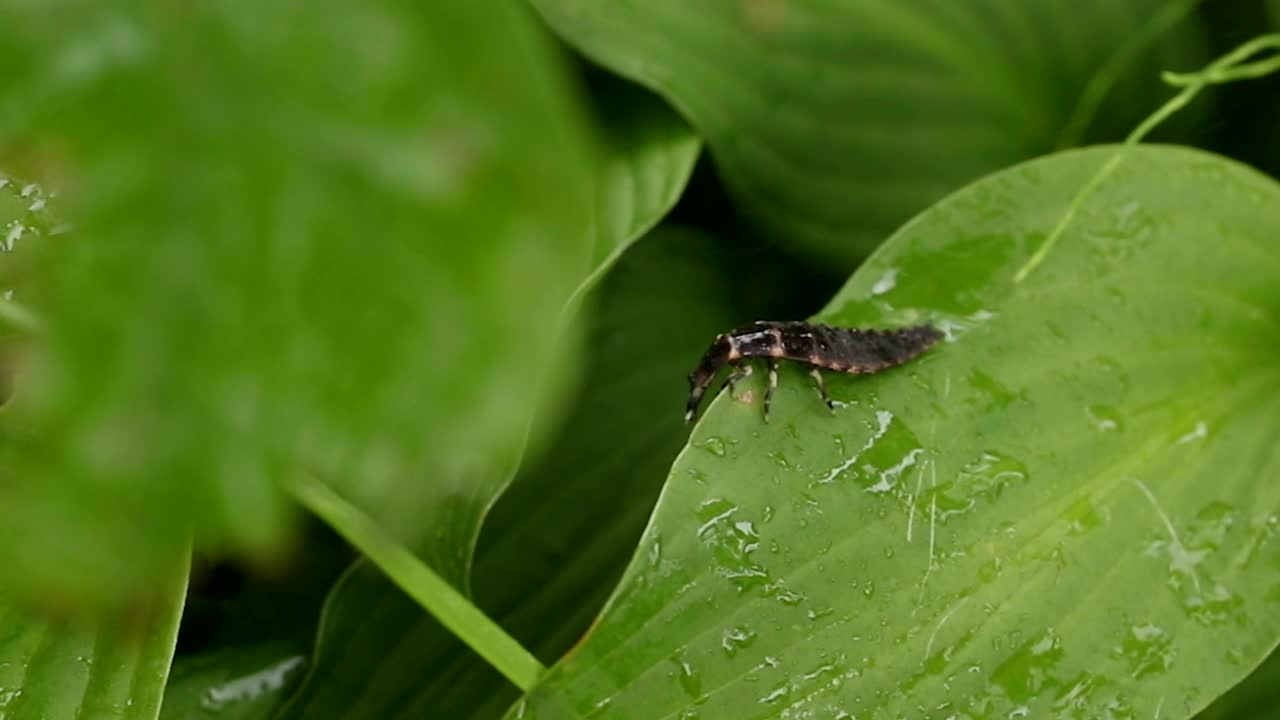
736 638
689 679
886 282
781 460
779 692
819 614
714 445
1104 417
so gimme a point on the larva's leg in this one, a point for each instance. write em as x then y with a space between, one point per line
740 372
773 385
822 388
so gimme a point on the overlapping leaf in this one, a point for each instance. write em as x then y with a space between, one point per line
1069 509
247 636
646 161
337 241
833 122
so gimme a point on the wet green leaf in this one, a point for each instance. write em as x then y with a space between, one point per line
557 540
833 122
1068 509
72 670
337 240
243 683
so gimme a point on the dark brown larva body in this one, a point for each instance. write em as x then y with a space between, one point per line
820 346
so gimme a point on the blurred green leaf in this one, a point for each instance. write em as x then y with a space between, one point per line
1068 509
109 670
1257 698
556 541
340 240
833 122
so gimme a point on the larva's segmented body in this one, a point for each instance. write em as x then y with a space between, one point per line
822 347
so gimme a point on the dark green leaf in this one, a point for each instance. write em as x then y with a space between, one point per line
246 636
833 122
244 683
1257 698
1069 509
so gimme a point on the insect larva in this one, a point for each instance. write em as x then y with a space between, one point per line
820 346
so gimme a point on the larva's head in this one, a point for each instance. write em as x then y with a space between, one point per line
714 359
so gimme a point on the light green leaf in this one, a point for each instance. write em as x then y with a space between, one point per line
341 240
112 669
833 122
1068 509
556 541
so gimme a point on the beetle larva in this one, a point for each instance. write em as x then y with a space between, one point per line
822 347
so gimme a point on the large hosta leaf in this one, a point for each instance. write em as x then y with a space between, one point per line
1069 509
557 540
834 121
335 240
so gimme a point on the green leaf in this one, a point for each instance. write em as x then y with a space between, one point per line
647 159
556 541
1068 509
247 683
1254 699
112 669
833 122
246 636
341 240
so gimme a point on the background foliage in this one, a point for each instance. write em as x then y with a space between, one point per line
453 261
